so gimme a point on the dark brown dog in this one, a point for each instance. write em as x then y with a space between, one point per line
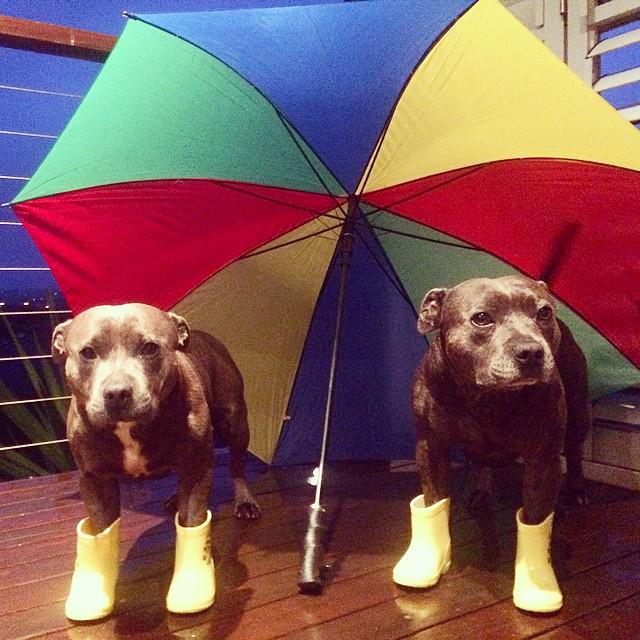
504 378
146 394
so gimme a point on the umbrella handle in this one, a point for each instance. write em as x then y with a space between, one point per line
309 576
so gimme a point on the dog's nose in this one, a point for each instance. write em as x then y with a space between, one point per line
529 353
117 397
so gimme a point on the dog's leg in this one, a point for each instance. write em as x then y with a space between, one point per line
574 373
102 500
535 585
540 487
246 506
429 552
193 584
575 493
432 458
578 425
93 584
194 489
234 429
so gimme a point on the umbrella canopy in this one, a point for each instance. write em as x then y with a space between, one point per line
212 164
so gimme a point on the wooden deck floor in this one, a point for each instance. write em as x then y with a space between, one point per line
596 553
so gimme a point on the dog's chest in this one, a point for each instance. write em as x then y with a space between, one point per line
496 427
134 462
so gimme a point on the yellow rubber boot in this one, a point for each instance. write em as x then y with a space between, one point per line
193 586
535 586
429 553
93 584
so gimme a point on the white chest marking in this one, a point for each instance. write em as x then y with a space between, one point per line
135 464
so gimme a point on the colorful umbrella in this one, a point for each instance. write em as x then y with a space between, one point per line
213 164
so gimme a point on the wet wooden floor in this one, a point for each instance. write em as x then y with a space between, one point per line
596 553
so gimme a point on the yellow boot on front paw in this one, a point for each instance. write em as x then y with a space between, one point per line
429 553
193 586
93 584
535 586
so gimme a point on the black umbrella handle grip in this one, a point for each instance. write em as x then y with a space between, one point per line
310 574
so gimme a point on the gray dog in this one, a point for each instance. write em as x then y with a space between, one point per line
147 393
503 379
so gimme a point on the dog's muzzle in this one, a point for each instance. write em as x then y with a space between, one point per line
121 399
521 362
529 356
118 401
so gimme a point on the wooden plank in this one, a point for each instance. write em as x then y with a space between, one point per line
620 621
584 593
26 512
35 484
19 33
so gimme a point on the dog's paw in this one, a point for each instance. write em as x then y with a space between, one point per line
248 509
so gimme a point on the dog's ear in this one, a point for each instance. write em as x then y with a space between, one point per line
58 349
430 310
183 330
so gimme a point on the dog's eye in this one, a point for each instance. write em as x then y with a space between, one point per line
88 353
545 313
481 319
150 349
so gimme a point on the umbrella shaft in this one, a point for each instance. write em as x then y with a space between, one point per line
346 251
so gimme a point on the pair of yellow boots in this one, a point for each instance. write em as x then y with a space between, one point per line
429 556
93 584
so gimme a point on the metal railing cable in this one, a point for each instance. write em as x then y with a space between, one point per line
31 401
19 358
13 447
45 312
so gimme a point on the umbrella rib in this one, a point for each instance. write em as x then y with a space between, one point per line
424 239
389 206
258 252
391 275
236 187
285 124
